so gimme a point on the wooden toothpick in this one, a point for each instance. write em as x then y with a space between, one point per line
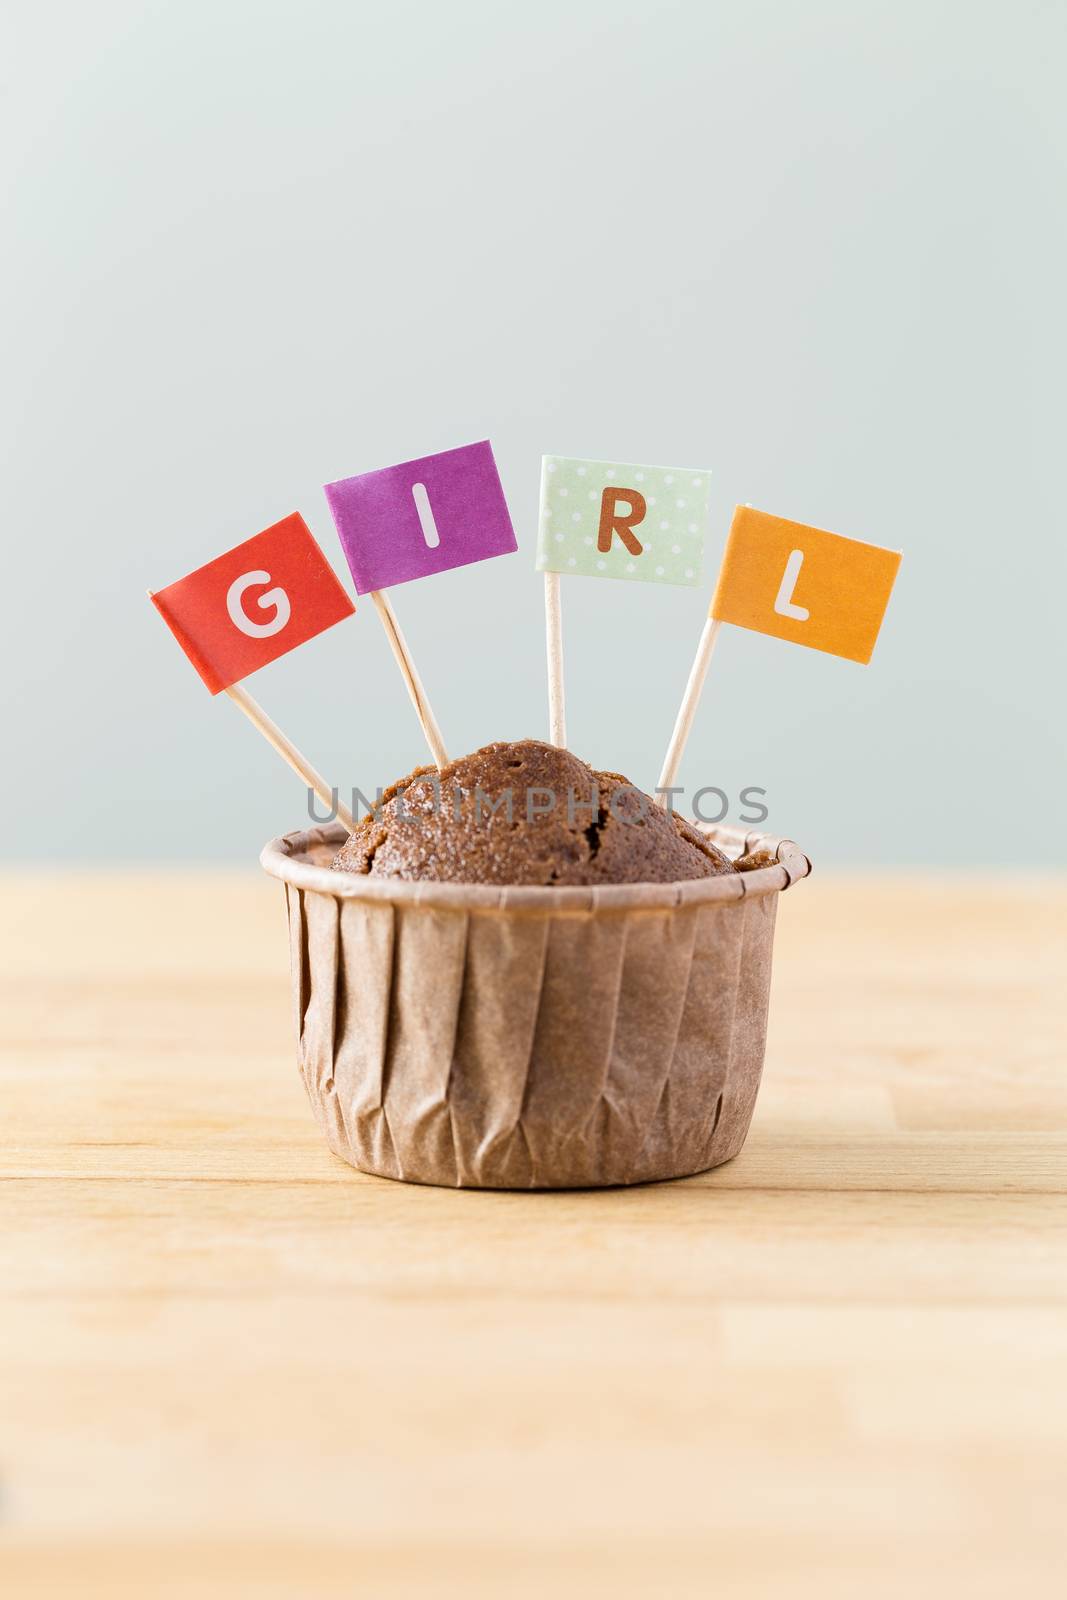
398 644
557 719
288 751
688 708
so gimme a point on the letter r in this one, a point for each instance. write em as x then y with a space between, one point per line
622 523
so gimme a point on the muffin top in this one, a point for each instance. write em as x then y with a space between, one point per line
525 813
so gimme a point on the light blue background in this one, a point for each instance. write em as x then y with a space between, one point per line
254 247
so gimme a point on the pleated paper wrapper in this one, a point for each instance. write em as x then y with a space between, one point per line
524 1038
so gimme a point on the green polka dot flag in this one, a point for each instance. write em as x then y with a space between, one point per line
611 519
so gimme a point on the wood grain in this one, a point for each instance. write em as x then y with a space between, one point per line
231 1365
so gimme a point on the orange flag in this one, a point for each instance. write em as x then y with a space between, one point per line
804 584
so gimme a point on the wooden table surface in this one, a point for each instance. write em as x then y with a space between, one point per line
231 1365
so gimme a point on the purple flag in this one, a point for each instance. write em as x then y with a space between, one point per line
421 517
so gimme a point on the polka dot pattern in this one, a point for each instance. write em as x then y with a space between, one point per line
575 550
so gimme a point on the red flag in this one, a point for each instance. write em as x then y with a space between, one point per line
255 603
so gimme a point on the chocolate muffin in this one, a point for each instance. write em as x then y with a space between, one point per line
526 813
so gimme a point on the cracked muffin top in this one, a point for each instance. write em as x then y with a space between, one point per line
525 813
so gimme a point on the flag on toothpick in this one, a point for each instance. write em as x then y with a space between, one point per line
415 519
605 519
804 585
253 604
422 517
611 519
794 582
250 606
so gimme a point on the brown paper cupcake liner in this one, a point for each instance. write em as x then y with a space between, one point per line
524 1038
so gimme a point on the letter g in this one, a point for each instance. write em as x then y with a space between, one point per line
273 597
